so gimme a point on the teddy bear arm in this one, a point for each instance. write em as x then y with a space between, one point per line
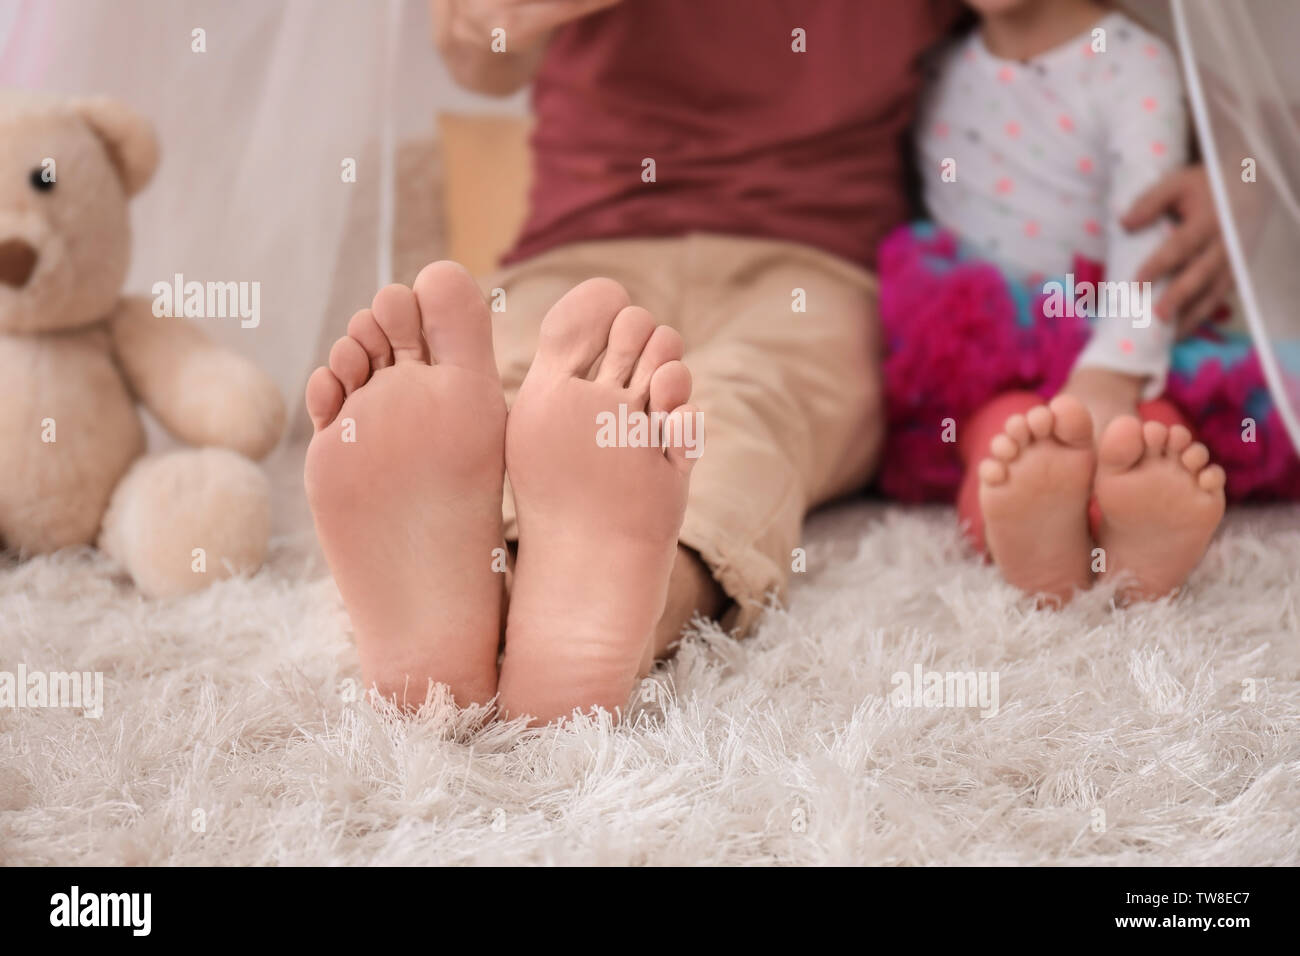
202 393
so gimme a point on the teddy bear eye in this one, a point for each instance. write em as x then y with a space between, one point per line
39 182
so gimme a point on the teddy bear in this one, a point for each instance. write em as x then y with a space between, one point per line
78 357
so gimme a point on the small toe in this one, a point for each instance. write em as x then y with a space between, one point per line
350 363
665 345
992 472
1040 421
1018 429
670 387
1180 438
627 337
1156 436
1212 478
324 397
366 331
1004 448
683 437
398 314
1196 457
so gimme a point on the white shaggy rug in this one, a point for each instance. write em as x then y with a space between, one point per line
1165 734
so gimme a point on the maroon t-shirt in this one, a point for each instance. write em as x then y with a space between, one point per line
748 136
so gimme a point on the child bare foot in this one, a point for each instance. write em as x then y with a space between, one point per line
1034 493
1160 502
404 478
597 525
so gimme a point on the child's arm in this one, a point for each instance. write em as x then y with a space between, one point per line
1147 138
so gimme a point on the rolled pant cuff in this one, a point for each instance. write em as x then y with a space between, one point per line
750 578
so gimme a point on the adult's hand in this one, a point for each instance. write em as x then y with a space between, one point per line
463 30
525 22
1193 258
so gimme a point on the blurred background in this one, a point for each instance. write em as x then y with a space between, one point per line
260 103
255 131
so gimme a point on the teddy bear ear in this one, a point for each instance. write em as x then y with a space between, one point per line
128 136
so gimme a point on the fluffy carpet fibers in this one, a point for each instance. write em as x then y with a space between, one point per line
231 732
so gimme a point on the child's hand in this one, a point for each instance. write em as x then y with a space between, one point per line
1105 394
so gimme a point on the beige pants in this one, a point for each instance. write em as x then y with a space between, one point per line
791 399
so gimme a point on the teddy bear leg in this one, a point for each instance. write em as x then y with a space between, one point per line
50 523
180 520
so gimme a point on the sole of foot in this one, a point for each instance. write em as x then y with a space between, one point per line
1034 492
404 478
598 519
1161 501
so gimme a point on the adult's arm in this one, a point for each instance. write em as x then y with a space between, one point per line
499 63
1193 256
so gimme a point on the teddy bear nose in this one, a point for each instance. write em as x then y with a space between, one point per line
17 261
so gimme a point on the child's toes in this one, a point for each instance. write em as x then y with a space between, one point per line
1122 445
1212 478
993 472
1018 429
1156 436
1071 422
1180 439
1039 419
1196 457
1004 448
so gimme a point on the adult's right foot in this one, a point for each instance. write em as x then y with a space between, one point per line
404 478
598 521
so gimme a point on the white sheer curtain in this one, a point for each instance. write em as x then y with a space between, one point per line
254 131
1243 79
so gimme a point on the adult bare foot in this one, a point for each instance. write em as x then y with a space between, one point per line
1160 502
1034 493
597 524
404 478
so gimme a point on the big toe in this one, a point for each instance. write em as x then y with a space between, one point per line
576 330
1071 423
1122 444
456 321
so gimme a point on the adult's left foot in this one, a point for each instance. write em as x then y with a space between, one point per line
404 479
